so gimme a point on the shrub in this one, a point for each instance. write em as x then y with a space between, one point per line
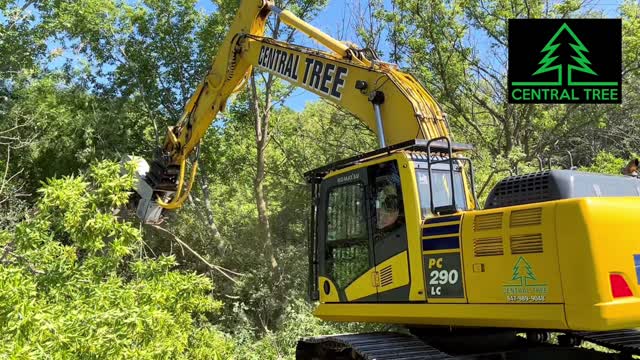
76 283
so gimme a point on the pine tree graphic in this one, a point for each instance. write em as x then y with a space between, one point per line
580 62
548 60
522 271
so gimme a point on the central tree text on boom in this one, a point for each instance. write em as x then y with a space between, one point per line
547 94
327 78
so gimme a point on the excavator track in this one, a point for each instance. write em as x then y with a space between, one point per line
625 341
399 346
369 346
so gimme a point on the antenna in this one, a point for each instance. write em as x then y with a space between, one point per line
571 167
540 163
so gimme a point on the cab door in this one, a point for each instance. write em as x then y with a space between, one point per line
345 252
389 230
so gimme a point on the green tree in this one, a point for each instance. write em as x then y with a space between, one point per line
522 271
471 84
606 163
550 48
74 282
299 142
262 97
548 62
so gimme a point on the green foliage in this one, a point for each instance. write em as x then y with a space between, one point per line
606 163
22 42
297 322
63 128
71 285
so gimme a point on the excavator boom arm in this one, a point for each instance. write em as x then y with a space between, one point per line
390 102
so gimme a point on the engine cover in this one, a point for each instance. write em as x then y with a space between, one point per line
559 184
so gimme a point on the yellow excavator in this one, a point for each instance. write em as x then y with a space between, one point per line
397 235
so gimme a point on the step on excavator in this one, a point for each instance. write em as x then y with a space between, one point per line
397 235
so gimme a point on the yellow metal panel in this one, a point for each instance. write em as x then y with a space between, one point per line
362 287
447 300
413 218
333 292
445 251
438 236
426 226
370 283
400 266
599 237
614 315
546 316
522 274
398 156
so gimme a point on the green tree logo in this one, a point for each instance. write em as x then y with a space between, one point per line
549 63
522 271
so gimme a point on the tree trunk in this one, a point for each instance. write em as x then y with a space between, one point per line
204 185
262 118
262 139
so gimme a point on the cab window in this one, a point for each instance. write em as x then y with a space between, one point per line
387 209
388 197
441 189
347 234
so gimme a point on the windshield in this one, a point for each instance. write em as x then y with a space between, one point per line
441 189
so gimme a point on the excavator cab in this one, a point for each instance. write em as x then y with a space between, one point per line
368 211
